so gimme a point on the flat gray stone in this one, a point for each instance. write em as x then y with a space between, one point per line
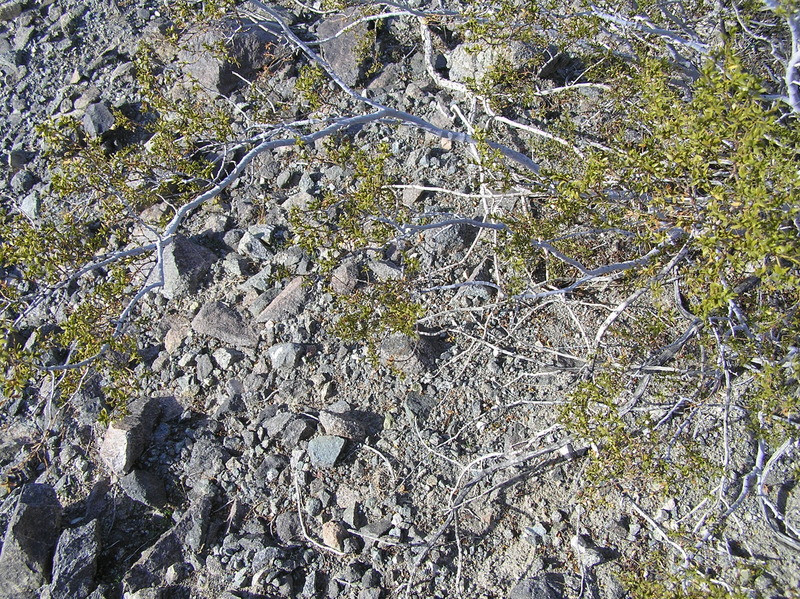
289 302
31 536
325 450
75 562
221 322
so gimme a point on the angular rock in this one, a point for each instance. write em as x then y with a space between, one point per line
447 243
75 562
325 450
97 119
31 205
383 270
333 533
466 64
285 356
544 586
297 430
342 425
31 536
173 547
274 425
312 584
224 357
221 322
203 366
342 52
249 50
253 247
287 528
11 10
206 462
401 352
145 487
126 439
185 265
418 407
344 278
288 303
22 181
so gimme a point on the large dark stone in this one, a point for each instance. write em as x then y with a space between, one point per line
249 50
343 52
185 265
183 540
75 562
31 536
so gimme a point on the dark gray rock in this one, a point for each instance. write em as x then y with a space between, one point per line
75 562
371 579
325 450
285 356
31 536
185 265
297 430
312 584
249 48
22 182
97 119
275 424
175 546
344 53
418 407
287 528
448 243
221 322
253 248
270 467
126 439
145 487
204 366
11 10
206 462
544 586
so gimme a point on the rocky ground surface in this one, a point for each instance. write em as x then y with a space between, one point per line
264 457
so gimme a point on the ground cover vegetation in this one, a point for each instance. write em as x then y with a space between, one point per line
636 178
